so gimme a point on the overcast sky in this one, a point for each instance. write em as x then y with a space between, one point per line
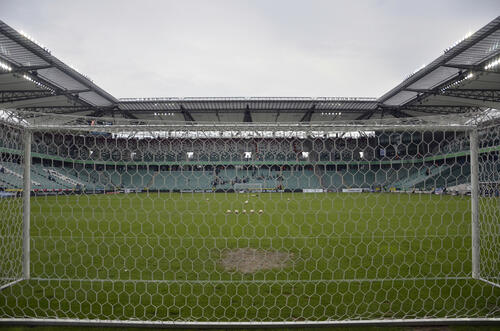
247 48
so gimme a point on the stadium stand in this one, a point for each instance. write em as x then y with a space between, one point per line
98 163
215 165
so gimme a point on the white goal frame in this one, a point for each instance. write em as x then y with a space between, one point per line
466 123
248 187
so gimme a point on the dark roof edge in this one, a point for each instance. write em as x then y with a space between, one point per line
250 99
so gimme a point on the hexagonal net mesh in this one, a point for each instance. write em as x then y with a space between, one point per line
489 202
250 222
11 206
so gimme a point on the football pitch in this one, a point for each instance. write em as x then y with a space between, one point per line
281 256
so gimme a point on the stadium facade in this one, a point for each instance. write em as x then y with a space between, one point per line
244 211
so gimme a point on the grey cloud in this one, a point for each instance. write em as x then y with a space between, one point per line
247 48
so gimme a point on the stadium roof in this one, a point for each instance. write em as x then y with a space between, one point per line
32 78
248 109
466 77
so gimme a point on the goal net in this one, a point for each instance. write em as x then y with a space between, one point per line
248 187
143 222
489 201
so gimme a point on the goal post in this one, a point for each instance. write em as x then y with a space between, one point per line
14 210
488 202
248 187
111 220
26 202
475 232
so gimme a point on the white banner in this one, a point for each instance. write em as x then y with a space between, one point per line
313 190
352 190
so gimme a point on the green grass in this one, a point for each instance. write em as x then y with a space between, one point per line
361 328
157 257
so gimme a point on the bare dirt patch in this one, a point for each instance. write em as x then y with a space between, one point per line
431 328
250 260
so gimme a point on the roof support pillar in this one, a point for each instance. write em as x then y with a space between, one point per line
247 118
187 115
307 116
